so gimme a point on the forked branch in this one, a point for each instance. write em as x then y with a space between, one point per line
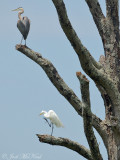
86 59
66 143
59 83
72 35
54 77
87 117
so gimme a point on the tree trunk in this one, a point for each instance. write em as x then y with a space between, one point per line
113 146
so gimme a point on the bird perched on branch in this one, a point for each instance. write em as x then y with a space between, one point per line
23 24
54 119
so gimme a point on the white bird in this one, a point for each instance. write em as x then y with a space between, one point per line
54 119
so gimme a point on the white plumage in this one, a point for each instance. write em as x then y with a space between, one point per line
53 117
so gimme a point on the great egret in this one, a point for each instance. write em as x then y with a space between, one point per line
54 119
23 24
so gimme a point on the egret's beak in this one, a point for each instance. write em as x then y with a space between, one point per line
40 113
15 9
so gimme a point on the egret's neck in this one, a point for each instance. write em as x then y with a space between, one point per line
19 14
44 112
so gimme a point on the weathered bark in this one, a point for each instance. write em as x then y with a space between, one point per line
66 143
58 82
84 55
87 117
98 16
107 78
105 74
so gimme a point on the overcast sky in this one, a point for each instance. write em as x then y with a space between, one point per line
25 89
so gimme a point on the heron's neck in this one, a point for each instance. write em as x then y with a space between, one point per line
19 14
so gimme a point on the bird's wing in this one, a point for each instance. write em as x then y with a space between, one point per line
55 119
21 27
26 22
58 122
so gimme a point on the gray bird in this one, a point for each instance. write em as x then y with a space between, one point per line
23 24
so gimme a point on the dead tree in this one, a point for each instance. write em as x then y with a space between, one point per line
105 74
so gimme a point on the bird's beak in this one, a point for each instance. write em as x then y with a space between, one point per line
40 113
15 9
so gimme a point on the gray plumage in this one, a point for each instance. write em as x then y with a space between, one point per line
24 26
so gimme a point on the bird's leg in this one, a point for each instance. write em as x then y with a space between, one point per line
52 129
47 122
25 42
21 40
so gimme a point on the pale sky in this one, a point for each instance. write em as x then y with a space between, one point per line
25 89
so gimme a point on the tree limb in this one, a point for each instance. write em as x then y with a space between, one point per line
71 34
84 55
66 143
87 117
81 51
58 82
98 16
113 15
104 25
84 86
54 77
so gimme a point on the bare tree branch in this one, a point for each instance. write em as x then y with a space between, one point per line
104 25
101 128
66 143
98 16
70 32
84 86
54 77
60 85
87 117
84 55
113 15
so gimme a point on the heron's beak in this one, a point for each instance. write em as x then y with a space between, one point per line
40 113
15 9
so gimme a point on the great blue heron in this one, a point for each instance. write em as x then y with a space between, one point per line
23 24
